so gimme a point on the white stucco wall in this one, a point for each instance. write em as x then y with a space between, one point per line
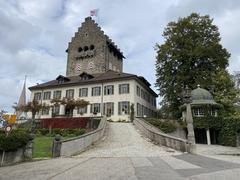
115 98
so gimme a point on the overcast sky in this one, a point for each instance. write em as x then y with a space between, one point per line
34 35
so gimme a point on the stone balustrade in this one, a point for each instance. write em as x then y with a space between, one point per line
78 144
163 139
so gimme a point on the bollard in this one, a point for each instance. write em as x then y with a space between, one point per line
56 146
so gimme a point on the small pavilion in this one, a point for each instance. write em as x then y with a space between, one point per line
204 108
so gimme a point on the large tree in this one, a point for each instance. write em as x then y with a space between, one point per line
191 54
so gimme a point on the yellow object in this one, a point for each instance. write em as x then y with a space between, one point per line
11 119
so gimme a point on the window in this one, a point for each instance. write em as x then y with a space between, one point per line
57 94
70 93
123 107
82 110
108 109
213 112
198 112
38 96
56 110
123 88
96 91
92 47
95 108
109 90
83 92
143 110
142 93
80 49
139 110
45 112
85 48
47 95
138 91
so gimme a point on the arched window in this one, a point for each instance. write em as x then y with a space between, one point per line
92 47
85 48
80 49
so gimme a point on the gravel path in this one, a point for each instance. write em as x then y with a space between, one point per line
123 140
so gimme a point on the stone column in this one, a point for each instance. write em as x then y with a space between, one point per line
189 119
208 137
190 128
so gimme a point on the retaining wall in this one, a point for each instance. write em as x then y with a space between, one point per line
163 139
78 144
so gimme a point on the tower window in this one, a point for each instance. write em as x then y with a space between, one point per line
80 49
85 48
92 47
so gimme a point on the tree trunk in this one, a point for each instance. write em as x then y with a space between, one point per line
33 123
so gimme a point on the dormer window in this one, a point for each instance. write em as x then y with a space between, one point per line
85 76
61 79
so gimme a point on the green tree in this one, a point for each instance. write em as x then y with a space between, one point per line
191 55
34 107
225 92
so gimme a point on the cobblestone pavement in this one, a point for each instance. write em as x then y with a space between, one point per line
125 155
123 140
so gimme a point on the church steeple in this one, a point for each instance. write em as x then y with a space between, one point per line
91 51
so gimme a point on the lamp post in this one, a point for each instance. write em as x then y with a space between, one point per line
189 119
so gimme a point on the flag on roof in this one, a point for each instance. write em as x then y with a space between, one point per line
94 12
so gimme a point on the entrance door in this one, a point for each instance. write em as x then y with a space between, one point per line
200 136
214 134
68 112
108 109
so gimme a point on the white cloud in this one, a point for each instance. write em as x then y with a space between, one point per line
35 34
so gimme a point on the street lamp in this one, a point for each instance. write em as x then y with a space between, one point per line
187 99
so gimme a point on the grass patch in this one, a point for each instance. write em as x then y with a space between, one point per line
42 147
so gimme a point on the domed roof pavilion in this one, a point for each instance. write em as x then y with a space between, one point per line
201 96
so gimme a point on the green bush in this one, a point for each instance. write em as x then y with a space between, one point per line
18 138
166 127
69 132
43 131
79 132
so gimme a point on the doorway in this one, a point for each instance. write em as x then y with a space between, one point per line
200 136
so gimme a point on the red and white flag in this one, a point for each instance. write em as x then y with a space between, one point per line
94 12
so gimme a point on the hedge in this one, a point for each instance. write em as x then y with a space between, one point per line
227 126
166 127
63 132
17 138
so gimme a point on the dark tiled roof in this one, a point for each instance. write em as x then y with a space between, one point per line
108 76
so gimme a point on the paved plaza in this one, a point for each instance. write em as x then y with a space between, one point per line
125 154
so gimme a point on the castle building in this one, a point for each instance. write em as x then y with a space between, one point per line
95 73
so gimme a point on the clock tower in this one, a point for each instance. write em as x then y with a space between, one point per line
91 51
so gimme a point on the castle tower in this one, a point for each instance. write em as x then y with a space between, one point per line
91 51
